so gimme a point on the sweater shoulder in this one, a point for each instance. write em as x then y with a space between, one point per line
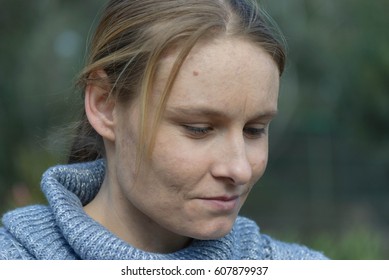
15 227
279 250
257 245
31 233
10 248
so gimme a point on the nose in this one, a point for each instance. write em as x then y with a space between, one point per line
232 163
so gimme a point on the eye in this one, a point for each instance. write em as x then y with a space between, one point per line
197 131
255 132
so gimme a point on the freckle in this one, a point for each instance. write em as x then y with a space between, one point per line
195 73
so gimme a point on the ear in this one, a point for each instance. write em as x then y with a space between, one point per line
99 107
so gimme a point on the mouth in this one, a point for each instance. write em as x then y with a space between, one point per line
221 203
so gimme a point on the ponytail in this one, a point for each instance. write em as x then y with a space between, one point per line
87 144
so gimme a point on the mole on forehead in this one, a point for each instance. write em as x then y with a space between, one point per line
195 73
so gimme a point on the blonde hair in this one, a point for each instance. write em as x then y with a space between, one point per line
133 35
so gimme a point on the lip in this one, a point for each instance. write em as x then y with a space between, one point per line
221 203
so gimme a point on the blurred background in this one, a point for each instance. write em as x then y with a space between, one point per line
327 182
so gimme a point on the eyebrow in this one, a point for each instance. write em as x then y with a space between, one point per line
210 112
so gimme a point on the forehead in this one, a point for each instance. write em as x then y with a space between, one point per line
226 73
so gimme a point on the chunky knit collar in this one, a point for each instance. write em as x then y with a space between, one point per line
64 231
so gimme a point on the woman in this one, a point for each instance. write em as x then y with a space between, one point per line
178 100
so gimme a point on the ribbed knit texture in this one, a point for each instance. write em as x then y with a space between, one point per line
62 230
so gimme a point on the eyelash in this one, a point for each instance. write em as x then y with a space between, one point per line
198 131
253 132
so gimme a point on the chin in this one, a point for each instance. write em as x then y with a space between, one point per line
214 230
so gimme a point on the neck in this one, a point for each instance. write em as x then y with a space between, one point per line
117 214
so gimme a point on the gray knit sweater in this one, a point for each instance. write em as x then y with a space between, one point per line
62 230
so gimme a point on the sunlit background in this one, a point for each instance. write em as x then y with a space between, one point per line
327 182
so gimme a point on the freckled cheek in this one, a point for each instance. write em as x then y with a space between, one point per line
176 165
258 165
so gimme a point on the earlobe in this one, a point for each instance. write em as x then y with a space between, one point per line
99 107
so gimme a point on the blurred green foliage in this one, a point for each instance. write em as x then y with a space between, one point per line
327 183
358 242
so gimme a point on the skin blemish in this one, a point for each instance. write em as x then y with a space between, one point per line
195 73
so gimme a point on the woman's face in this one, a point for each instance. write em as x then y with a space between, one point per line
211 145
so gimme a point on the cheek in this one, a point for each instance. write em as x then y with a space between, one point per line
176 164
258 164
